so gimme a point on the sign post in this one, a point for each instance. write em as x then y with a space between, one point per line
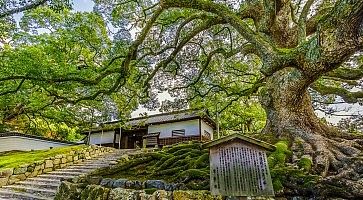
239 168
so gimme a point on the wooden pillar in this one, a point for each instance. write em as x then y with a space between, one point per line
126 142
101 138
119 139
89 138
200 129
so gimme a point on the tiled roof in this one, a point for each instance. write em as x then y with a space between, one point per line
161 118
8 134
244 138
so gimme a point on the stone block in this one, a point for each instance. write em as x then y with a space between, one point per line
35 173
42 166
119 183
67 191
157 184
47 170
95 192
123 194
37 168
63 165
20 170
48 164
144 196
6 172
134 185
108 182
16 178
27 174
163 195
58 156
4 181
75 158
70 158
64 160
56 161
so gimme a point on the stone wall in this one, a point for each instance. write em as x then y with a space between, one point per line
79 191
20 173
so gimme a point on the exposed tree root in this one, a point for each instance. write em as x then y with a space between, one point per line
338 161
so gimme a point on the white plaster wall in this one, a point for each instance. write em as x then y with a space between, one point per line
191 128
206 127
107 137
26 144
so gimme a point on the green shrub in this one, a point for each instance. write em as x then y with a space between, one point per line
305 163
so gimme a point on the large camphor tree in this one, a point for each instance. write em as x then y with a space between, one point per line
280 51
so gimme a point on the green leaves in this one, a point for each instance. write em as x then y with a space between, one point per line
55 62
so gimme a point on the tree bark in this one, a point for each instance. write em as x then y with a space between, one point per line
290 114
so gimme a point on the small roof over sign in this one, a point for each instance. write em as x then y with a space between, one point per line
237 136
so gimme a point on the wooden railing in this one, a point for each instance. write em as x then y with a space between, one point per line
174 140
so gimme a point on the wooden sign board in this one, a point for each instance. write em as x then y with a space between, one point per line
239 168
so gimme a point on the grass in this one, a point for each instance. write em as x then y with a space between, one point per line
16 158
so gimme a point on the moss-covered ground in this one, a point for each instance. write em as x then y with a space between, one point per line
188 163
185 163
16 158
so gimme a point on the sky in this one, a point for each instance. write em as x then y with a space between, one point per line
83 5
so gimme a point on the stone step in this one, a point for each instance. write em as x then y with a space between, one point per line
44 187
9 194
55 177
41 185
82 167
31 190
82 170
64 173
95 165
92 163
43 180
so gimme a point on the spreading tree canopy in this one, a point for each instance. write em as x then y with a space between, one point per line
280 53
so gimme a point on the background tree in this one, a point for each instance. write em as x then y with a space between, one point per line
60 66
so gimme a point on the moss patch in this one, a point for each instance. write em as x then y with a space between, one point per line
184 163
284 174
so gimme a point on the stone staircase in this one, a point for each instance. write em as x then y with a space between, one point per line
44 187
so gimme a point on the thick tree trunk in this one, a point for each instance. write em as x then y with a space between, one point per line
290 115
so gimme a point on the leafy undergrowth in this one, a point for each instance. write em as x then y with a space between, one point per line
16 158
184 163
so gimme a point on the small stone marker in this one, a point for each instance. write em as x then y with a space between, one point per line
239 168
